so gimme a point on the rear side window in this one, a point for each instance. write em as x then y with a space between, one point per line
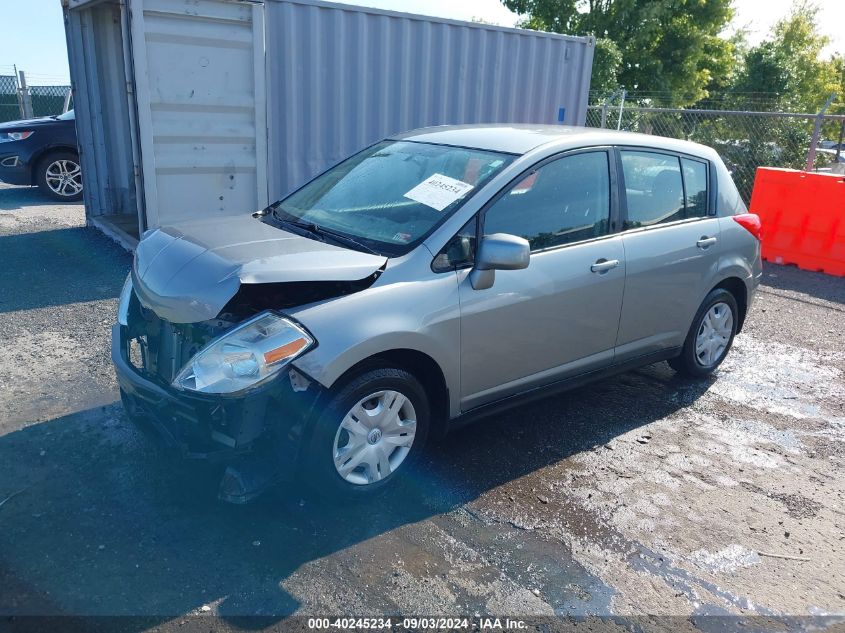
663 188
564 201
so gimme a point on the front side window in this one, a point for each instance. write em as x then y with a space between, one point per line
658 190
564 201
393 194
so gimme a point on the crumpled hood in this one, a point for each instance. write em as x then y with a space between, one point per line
188 272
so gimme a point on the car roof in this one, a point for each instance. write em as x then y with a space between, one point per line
523 138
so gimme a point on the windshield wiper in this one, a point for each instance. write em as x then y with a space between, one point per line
341 237
322 232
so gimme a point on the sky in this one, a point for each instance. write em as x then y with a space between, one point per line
759 16
35 43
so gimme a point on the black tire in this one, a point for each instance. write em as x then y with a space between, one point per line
688 363
318 466
41 176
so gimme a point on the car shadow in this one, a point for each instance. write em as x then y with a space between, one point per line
15 198
104 525
59 266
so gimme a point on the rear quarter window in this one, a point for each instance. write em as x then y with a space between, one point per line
695 187
728 201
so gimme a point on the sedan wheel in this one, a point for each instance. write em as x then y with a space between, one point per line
710 335
369 435
64 177
714 335
60 176
374 437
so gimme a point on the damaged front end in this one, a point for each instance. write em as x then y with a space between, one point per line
255 434
203 350
250 299
195 271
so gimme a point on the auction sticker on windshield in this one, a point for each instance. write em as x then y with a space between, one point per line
438 191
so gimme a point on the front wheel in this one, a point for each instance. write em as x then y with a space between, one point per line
370 434
710 337
59 176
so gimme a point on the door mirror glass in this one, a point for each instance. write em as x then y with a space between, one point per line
499 251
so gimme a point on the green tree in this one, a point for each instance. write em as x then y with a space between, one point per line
789 68
607 61
667 46
839 64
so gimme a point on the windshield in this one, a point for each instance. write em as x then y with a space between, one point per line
393 194
66 116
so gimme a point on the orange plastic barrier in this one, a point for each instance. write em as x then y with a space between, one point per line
803 217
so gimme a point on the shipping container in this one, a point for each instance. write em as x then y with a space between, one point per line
192 108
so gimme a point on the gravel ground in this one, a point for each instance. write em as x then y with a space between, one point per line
642 494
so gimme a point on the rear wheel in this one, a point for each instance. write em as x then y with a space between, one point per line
369 436
710 337
59 175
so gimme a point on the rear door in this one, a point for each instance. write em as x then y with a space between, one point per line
200 82
671 240
559 316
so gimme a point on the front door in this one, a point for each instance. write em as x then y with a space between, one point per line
559 316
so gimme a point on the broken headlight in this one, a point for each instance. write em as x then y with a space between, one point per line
245 356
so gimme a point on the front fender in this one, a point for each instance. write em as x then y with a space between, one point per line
422 316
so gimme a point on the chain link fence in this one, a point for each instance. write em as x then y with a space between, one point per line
10 107
745 140
16 103
47 100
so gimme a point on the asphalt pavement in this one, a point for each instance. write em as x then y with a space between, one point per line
644 494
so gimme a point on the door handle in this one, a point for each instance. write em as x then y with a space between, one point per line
706 242
603 265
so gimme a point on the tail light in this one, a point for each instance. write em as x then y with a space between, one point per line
751 223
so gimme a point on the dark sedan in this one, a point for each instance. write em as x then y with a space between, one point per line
42 152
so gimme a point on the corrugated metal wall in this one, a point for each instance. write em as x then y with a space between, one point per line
334 78
95 51
199 72
342 77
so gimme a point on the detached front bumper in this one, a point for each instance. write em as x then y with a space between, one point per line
257 435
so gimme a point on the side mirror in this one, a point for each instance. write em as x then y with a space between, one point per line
498 251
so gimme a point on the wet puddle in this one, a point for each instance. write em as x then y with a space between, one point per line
778 378
658 565
545 567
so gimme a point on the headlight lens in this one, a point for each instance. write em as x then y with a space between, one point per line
5 137
245 356
123 304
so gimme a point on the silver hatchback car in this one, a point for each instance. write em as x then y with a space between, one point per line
433 278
